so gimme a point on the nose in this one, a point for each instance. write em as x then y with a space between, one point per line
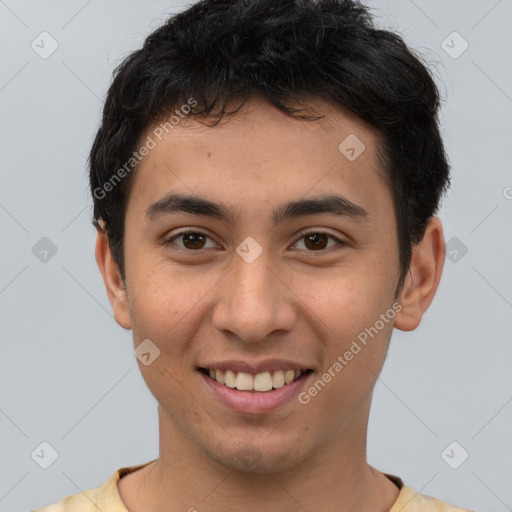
254 301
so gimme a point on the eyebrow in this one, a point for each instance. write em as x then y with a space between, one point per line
173 203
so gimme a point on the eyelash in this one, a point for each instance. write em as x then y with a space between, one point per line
341 244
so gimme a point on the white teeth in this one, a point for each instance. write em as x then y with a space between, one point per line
229 379
261 382
244 382
278 379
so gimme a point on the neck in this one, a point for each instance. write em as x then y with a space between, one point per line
336 477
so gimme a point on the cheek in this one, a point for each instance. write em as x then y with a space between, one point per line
168 306
160 302
344 301
345 309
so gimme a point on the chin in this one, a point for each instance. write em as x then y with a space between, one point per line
257 459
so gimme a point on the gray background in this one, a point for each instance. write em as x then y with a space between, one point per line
68 374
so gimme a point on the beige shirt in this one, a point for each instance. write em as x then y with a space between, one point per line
106 498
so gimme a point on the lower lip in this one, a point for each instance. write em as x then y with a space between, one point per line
248 402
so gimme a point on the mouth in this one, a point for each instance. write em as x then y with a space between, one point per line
263 382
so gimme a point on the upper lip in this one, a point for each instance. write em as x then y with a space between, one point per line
268 365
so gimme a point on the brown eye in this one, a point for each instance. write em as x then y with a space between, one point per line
190 240
196 240
317 241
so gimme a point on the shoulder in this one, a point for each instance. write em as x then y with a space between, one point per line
105 497
87 501
83 502
412 501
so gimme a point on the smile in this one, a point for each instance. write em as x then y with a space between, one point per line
260 382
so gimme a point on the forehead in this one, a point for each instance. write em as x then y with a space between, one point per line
262 152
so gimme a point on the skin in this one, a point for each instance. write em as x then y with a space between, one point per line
293 302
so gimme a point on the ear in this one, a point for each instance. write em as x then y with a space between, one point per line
422 281
113 282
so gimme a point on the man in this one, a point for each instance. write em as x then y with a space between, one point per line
265 182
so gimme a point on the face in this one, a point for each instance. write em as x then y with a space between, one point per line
263 284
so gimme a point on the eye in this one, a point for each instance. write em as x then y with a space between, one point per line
318 240
192 240
314 241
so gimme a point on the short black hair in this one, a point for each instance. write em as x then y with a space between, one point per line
220 51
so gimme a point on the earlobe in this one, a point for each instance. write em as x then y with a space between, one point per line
114 285
422 281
